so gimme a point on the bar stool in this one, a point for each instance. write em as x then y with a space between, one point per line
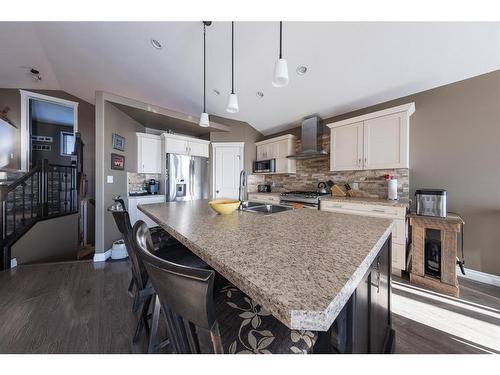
201 320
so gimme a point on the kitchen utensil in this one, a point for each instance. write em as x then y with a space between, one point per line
224 206
322 188
338 191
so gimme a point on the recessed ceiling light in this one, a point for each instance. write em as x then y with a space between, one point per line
301 70
156 44
216 92
259 94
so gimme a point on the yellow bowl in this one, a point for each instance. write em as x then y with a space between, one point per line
224 206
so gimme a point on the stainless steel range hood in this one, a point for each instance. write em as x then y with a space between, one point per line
311 140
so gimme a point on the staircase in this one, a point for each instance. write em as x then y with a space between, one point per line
47 191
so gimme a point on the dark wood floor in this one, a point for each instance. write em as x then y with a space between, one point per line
83 307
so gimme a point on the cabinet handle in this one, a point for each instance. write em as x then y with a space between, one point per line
366 161
377 210
336 205
359 162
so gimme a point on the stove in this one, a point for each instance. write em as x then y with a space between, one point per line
307 198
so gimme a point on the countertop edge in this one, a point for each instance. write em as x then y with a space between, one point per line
322 320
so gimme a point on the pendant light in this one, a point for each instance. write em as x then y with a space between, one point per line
280 78
232 100
204 120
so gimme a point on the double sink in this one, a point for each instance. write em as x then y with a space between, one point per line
263 208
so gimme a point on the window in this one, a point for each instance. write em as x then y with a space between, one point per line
67 143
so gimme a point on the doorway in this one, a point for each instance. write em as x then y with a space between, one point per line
227 165
48 130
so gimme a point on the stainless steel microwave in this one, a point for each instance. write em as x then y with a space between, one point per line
264 166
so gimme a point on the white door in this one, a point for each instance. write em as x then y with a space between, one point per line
149 155
228 163
347 147
386 142
198 148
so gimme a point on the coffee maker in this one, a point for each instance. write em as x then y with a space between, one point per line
153 186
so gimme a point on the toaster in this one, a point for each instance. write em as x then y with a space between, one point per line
431 202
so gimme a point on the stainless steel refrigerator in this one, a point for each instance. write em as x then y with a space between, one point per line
186 178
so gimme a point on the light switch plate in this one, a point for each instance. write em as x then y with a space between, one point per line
109 179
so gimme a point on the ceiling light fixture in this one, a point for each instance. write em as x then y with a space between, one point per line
232 100
280 77
259 94
204 120
156 44
301 70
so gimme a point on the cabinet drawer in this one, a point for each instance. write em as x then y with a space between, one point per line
364 209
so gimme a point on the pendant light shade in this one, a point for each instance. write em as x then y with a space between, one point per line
204 120
280 77
232 103
232 100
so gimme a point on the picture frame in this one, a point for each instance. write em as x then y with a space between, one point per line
118 142
117 162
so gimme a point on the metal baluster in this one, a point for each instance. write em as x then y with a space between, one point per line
14 211
32 197
24 202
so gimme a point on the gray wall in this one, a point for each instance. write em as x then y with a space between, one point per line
455 145
63 246
50 130
115 121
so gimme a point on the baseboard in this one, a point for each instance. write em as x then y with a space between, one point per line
482 277
102 257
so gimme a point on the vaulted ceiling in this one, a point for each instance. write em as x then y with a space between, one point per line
350 65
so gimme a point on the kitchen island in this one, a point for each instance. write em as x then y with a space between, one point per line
307 267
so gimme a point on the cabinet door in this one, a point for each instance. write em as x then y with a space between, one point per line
386 142
198 149
346 152
149 158
261 152
281 149
176 146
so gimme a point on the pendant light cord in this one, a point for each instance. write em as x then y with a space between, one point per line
232 57
281 35
204 66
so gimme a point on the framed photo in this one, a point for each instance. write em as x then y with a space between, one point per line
117 162
118 142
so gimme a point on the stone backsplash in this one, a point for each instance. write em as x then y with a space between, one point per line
137 181
311 171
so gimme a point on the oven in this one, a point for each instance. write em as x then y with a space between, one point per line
264 166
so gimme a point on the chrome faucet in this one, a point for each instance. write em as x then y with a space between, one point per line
243 193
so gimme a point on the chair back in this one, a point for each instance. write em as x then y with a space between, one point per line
186 295
122 220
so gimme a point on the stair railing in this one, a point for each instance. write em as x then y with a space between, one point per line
46 191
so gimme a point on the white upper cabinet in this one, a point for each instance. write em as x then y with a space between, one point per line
182 145
148 153
347 147
378 140
386 142
278 148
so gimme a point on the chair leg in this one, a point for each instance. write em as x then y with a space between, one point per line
152 347
143 320
131 287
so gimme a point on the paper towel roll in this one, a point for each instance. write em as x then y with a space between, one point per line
392 192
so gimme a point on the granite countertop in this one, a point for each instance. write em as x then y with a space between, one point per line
382 202
302 265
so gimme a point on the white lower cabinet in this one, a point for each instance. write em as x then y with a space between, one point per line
135 214
399 231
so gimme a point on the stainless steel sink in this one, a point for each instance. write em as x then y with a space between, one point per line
263 208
